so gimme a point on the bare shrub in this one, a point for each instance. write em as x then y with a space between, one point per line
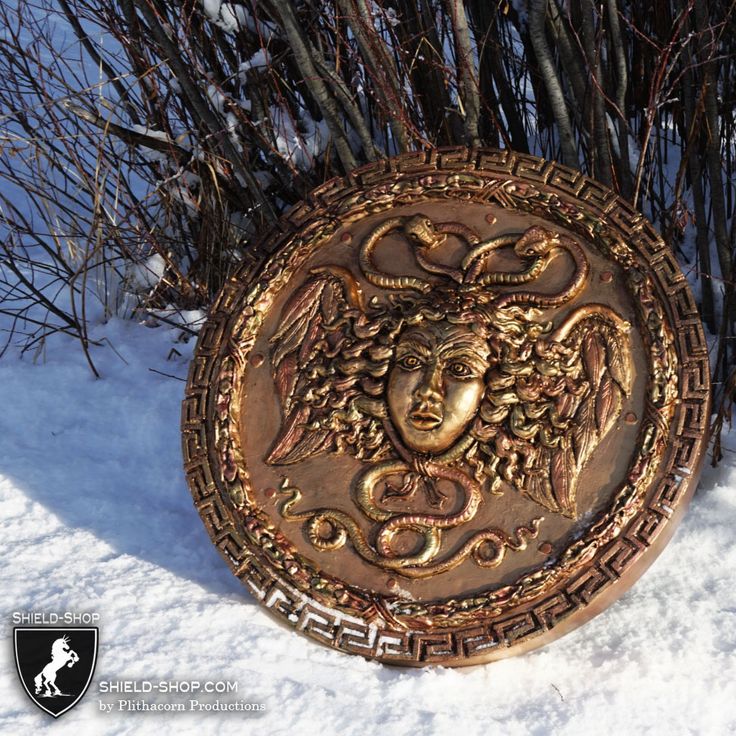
160 137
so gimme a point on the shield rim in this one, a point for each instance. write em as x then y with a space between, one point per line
219 501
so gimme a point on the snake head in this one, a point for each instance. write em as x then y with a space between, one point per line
423 233
535 242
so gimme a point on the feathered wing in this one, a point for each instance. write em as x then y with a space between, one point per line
577 406
317 399
297 350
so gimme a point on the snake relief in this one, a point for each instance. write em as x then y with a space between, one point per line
449 380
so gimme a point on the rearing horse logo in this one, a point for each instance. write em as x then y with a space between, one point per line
61 655
55 665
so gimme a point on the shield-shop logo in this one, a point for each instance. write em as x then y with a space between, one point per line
55 665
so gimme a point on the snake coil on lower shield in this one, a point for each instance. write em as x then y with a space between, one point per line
330 529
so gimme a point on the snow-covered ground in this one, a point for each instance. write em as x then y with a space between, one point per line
95 516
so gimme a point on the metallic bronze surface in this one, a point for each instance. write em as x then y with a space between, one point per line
454 414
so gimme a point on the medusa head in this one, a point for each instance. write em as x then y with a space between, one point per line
453 376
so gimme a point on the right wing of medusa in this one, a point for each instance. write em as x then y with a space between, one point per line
584 375
315 326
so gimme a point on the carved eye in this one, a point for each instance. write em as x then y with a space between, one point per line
410 363
460 370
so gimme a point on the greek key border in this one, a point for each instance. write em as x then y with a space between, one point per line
491 639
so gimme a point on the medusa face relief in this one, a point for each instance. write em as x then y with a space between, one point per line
436 384
399 381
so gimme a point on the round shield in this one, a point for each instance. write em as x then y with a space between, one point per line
452 408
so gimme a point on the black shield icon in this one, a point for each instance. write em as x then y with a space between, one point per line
55 665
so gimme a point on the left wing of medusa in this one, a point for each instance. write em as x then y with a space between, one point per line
584 375
316 400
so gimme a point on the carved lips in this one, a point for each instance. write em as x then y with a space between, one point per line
426 417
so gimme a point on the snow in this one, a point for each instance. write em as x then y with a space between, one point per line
234 18
96 517
298 146
260 60
219 101
145 275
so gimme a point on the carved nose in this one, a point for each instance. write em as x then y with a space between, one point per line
425 391
430 389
